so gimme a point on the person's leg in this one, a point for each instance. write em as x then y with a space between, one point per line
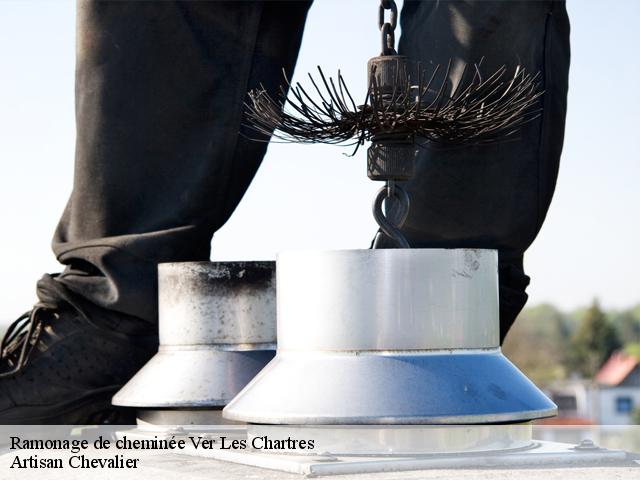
492 196
160 166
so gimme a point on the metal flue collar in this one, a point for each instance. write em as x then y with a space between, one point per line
392 336
217 331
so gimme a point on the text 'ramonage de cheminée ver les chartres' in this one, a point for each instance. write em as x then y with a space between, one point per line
118 460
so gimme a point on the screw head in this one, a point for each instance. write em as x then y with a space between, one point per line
586 444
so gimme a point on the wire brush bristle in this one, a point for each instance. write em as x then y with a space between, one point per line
477 110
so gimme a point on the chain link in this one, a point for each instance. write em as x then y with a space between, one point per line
387 28
390 193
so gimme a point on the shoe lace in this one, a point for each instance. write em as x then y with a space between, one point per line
23 335
21 338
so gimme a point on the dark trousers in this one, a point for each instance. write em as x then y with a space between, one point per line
160 164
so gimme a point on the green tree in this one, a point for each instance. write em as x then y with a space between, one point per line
632 349
537 344
627 325
593 342
636 416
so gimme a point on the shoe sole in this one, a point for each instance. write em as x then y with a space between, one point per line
93 408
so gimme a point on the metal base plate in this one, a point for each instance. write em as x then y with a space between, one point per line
540 454
160 420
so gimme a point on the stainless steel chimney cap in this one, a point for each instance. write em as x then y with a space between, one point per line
398 336
217 323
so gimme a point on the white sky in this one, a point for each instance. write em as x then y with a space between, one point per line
313 195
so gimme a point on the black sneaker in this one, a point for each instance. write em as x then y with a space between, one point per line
62 362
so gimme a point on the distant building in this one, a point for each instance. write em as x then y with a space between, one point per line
618 387
575 402
609 399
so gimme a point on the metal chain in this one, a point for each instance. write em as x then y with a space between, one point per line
390 193
388 28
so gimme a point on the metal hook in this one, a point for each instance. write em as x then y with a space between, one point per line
392 230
